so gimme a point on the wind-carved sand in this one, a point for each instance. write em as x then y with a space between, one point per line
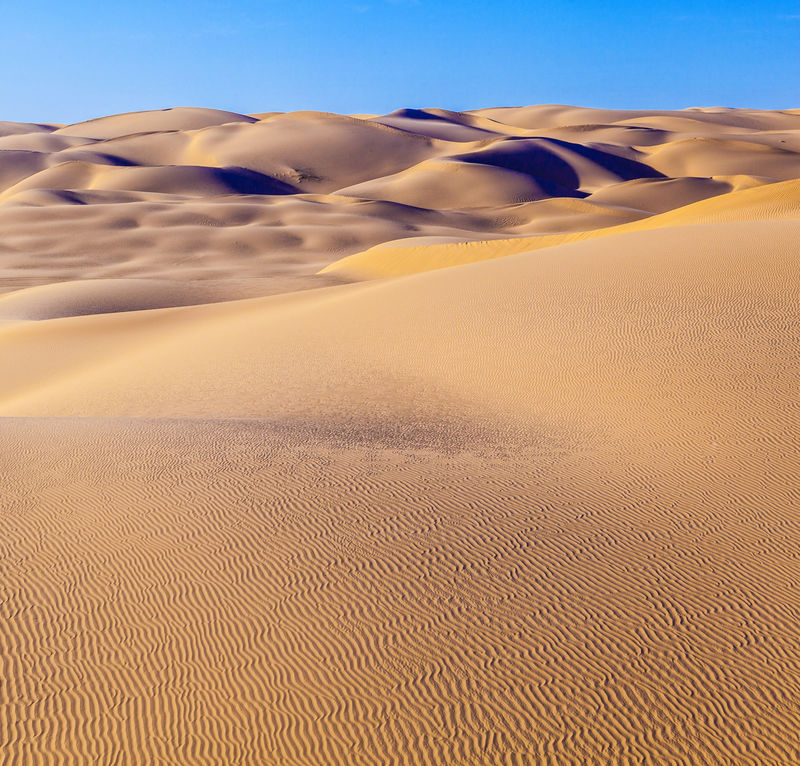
431 437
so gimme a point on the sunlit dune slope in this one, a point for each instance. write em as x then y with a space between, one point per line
774 202
554 333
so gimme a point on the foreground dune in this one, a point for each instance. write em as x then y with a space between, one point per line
519 489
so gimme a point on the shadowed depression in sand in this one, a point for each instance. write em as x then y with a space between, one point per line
429 437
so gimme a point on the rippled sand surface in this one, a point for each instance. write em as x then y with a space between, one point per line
514 493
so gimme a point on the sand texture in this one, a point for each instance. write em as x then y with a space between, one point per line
425 438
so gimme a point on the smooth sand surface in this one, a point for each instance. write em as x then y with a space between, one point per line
421 438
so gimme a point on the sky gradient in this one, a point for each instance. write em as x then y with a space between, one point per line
65 62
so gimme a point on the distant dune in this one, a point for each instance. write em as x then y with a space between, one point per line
429 437
204 194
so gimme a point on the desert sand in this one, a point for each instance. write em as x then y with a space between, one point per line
424 438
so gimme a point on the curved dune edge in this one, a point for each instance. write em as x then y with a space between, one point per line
425 343
778 201
112 296
102 296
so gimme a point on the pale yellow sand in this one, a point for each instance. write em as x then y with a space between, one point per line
541 506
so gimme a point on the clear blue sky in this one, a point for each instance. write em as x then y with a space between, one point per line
69 60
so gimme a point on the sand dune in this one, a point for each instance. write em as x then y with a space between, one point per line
24 128
261 596
512 480
657 195
708 156
308 355
181 118
437 123
446 185
111 296
778 201
468 176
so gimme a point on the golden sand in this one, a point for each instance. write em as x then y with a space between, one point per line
513 480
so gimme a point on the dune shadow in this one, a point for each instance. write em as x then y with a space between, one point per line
244 181
551 171
415 114
624 167
540 158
